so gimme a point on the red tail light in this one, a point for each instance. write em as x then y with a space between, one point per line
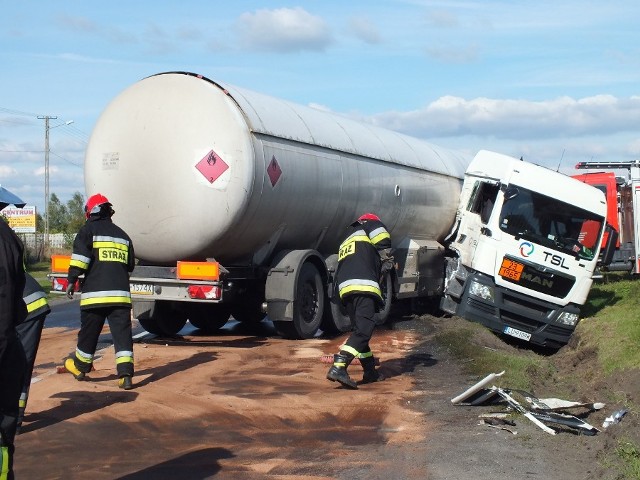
60 285
205 292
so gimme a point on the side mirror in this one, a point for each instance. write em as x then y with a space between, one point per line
610 246
511 193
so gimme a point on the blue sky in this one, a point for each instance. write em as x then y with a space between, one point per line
554 82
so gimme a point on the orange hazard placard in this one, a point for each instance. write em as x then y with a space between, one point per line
511 269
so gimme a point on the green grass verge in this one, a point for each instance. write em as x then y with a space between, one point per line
629 454
520 370
39 271
614 328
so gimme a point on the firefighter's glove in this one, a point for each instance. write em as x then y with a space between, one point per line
387 265
70 289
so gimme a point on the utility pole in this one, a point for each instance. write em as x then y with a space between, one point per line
46 119
47 127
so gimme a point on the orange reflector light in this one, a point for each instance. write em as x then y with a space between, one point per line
204 292
60 263
198 271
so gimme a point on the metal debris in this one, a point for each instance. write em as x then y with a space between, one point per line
538 411
615 417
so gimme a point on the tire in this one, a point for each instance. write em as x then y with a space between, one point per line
308 306
163 320
387 295
249 311
208 318
336 320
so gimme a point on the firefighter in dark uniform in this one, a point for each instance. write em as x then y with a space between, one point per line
12 312
358 276
30 332
104 253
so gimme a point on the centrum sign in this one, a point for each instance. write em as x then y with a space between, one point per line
22 220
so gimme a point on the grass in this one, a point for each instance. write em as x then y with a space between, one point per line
629 454
39 271
614 330
478 359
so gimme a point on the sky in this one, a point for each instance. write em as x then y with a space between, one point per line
554 82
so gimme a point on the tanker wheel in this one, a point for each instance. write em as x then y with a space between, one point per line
308 305
166 320
249 311
387 293
336 319
209 318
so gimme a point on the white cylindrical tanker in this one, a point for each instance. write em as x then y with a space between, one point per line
199 170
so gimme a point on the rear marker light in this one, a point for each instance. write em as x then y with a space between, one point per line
204 292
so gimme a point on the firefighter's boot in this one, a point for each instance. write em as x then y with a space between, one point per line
338 371
125 382
370 373
70 366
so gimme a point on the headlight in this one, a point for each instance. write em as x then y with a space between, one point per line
568 318
480 290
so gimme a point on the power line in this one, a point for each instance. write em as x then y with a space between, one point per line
65 159
17 112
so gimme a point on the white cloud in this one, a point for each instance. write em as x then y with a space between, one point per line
6 172
363 29
442 19
453 54
517 119
283 30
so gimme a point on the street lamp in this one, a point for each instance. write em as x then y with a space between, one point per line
46 119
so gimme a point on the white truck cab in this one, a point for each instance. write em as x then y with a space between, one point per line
526 245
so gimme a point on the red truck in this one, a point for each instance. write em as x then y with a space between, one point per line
622 194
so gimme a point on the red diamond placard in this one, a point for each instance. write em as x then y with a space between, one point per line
274 171
211 166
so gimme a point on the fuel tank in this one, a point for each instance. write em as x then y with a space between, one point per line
200 169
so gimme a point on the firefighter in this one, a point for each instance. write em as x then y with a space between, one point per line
30 332
12 312
104 253
358 277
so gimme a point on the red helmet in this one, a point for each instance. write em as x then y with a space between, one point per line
368 216
94 203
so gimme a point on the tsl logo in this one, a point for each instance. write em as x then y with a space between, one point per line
526 249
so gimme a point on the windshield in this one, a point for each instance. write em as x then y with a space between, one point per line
550 222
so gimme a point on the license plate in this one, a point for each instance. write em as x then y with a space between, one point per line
517 333
141 288
511 270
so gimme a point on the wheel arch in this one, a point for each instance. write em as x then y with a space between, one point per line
280 286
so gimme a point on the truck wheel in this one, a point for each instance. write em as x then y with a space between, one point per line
248 312
163 320
208 318
336 319
387 294
308 306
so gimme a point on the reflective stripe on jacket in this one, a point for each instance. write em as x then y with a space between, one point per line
359 263
35 298
104 253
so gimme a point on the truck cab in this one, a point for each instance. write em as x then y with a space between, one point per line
524 249
622 203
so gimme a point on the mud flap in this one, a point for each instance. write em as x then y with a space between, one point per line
280 286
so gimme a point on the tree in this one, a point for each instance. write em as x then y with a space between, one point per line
75 213
57 215
39 223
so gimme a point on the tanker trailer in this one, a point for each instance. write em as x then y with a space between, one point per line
236 203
